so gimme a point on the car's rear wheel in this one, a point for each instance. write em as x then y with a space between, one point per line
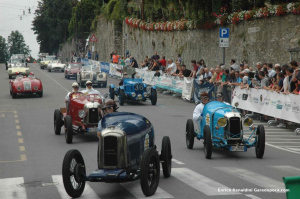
190 134
40 93
260 141
150 171
104 84
121 97
57 122
68 129
207 142
49 70
153 97
111 93
166 156
42 67
73 173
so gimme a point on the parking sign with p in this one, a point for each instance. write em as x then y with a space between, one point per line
224 32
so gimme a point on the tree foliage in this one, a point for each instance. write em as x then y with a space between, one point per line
17 44
3 50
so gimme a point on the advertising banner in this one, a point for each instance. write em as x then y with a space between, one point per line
187 89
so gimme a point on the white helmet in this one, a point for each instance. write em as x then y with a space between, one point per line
75 84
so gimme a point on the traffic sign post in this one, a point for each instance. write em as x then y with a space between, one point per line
93 39
224 40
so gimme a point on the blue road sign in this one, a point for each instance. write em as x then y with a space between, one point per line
224 32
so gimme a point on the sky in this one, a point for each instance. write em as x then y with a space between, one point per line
10 13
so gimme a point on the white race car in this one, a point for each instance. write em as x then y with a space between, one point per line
56 65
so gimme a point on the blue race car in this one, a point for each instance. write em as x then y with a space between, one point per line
222 127
126 152
133 89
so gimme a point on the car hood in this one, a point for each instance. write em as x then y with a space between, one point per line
19 69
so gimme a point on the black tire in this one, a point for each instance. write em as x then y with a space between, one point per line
121 97
42 67
105 85
65 76
57 122
166 156
190 134
9 77
14 95
260 141
73 169
68 77
150 172
207 142
49 70
40 93
153 97
98 157
68 129
111 93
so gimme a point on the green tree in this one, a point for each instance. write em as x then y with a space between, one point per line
3 50
17 44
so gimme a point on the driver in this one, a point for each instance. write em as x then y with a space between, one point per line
197 114
75 87
89 89
31 75
219 98
110 106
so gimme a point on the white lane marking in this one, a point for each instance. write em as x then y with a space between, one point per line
284 142
200 182
295 149
88 192
287 168
177 161
282 139
53 80
135 189
284 149
254 178
252 196
10 188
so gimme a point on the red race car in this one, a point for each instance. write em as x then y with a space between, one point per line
81 116
25 85
72 69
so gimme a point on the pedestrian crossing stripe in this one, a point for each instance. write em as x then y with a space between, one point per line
10 188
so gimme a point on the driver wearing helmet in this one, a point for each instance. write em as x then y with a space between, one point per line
31 75
109 106
197 114
89 89
75 87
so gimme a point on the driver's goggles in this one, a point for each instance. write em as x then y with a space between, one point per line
75 87
89 84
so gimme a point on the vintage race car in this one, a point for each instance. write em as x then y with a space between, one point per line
126 152
92 73
55 65
133 89
71 70
17 68
25 85
45 61
15 59
222 127
81 116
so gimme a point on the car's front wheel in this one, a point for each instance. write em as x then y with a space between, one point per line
68 129
150 171
166 156
57 122
121 97
260 141
190 134
153 97
111 93
40 94
207 142
73 173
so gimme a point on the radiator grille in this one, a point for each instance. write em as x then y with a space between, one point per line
93 115
235 128
110 151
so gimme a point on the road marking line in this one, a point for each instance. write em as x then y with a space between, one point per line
23 157
19 133
20 140
15 112
22 148
284 142
18 127
3 115
88 193
284 149
135 189
254 178
16 116
177 161
17 121
252 196
9 188
200 182
295 149
287 168
281 139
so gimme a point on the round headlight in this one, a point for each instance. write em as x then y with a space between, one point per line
248 121
222 122
81 113
133 94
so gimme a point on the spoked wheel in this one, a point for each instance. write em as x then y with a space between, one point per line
260 141
68 129
190 134
121 97
166 156
73 173
207 142
57 122
153 97
111 93
150 172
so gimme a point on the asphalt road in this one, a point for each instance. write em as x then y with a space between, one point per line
31 155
